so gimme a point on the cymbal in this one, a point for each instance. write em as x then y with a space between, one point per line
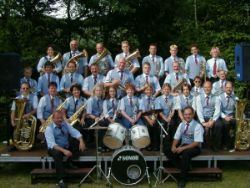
150 112
97 128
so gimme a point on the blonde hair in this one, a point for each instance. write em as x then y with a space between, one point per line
101 86
173 47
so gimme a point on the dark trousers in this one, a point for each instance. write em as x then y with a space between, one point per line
228 133
154 133
183 159
213 136
170 128
58 157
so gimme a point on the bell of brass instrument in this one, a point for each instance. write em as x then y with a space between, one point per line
49 120
129 58
76 116
242 137
203 70
25 129
102 66
179 85
75 59
54 61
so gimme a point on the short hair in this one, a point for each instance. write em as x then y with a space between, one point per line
148 86
215 49
25 83
101 43
51 46
72 62
229 82
28 68
129 86
188 108
76 85
146 63
125 42
194 45
52 84
48 64
186 85
197 77
153 44
207 82
166 85
173 47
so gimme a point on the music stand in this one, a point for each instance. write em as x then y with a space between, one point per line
158 172
98 168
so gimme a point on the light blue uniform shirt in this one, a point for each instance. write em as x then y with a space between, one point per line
131 109
192 68
167 106
168 64
220 64
134 61
105 64
66 83
171 79
32 82
56 136
43 82
94 106
228 104
88 84
156 64
72 104
110 107
43 60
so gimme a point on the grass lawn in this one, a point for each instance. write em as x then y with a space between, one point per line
235 174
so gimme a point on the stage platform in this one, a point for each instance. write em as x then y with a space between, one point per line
41 156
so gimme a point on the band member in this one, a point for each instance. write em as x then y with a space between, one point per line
94 111
27 73
147 103
228 104
57 136
70 78
82 64
195 64
186 144
168 64
167 102
197 89
129 108
156 62
135 65
219 86
208 111
72 105
50 55
119 77
145 79
48 103
110 105
176 77
92 80
46 79
106 62
30 107
184 100
215 64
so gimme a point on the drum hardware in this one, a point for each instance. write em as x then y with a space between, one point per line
133 164
158 172
140 136
98 168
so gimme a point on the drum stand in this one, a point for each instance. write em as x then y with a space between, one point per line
158 172
98 168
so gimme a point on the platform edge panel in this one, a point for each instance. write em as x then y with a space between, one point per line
21 159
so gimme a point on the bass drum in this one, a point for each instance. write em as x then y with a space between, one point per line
128 166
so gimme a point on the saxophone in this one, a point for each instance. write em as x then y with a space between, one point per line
25 129
50 119
75 117
242 137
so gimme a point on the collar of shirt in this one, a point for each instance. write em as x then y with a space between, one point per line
76 98
54 125
190 123
129 97
144 75
125 54
174 58
208 95
74 52
51 97
151 56
27 96
94 76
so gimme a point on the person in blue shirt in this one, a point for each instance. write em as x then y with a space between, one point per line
186 144
57 136
27 73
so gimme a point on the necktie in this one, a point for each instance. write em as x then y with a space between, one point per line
187 100
215 68
48 78
228 98
196 90
166 100
76 103
186 129
176 76
195 59
113 105
130 101
60 128
207 100
148 103
95 80
28 81
71 78
52 105
121 76
153 59
147 79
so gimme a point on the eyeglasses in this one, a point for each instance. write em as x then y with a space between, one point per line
25 88
197 81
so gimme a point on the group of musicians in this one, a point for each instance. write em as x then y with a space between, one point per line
169 92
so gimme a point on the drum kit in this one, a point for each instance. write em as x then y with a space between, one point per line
128 166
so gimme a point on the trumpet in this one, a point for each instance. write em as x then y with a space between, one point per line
75 59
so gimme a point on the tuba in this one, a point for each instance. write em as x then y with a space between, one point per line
75 59
179 85
102 65
25 129
75 117
54 61
49 120
242 137
129 58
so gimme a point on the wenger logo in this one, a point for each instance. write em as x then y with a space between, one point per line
128 158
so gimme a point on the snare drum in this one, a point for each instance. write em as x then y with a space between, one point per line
114 136
140 136
128 165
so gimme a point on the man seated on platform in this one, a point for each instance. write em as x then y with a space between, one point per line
61 143
186 144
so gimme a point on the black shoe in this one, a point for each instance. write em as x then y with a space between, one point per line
181 183
61 184
11 148
71 165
